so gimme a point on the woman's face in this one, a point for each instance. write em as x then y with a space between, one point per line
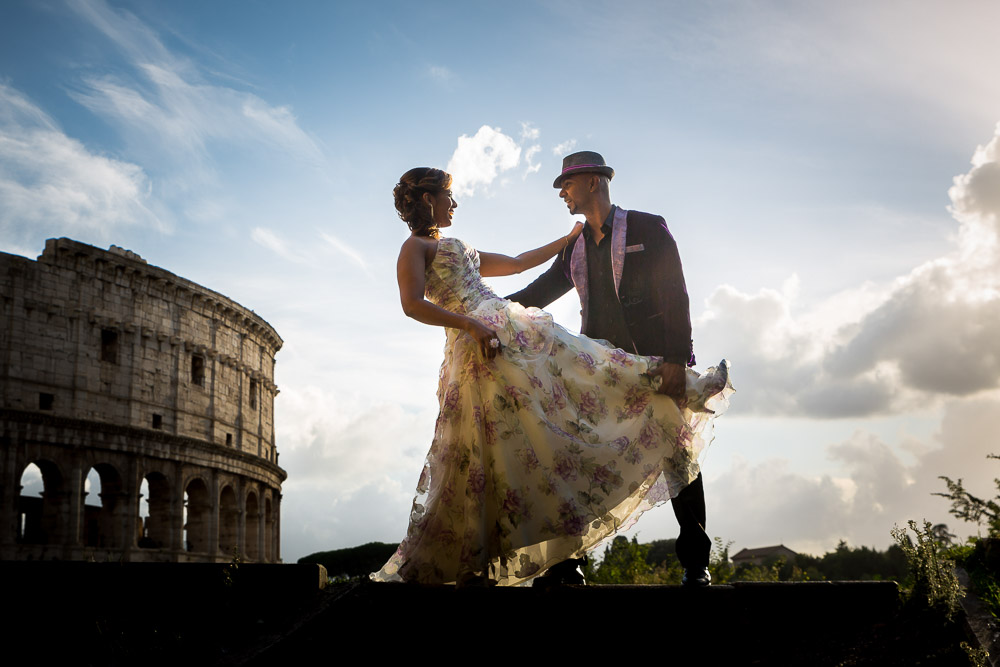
444 208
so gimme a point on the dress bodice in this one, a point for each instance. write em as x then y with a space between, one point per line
452 279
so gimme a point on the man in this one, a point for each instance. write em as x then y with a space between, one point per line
627 271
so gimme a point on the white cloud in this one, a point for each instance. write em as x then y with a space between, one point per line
315 518
870 488
345 457
440 74
529 155
311 255
530 133
122 27
929 334
345 249
836 51
478 159
51 182
171 106
276 244
564 149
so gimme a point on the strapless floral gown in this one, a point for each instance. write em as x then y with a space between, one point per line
547 450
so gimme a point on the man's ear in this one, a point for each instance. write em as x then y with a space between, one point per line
595 182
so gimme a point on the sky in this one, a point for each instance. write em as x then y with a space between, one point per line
830 171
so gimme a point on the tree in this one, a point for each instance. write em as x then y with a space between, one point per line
719 565
353 562
973 509
940 534
662 552
624 562
977 557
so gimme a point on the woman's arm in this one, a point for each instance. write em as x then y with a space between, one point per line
410 267
492 264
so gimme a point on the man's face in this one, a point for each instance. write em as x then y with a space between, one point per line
575 192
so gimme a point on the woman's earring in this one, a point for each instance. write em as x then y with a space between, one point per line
432 212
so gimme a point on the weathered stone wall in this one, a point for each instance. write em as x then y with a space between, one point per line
97 343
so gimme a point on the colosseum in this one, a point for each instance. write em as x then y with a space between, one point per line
123 376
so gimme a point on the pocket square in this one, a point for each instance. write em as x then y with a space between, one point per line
634 248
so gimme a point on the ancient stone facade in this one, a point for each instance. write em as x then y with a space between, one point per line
163 387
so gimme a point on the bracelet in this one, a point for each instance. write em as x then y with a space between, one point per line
566 239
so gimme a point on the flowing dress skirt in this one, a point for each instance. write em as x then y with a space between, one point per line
542 453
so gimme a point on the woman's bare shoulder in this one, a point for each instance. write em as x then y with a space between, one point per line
419 245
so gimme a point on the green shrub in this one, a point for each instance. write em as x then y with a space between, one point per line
933 580
975 557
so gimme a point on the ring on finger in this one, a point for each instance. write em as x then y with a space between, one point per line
494 343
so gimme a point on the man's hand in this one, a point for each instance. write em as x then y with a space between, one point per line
673 380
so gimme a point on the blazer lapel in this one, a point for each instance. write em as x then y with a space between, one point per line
578 272
618 232
578 263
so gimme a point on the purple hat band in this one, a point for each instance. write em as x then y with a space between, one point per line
582 166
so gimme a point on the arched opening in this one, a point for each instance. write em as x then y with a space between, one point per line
42 504
103 525
197 510
142 518
154 513
268 531
228 522
253 522
91 510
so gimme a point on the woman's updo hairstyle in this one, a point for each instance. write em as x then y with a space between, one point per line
409 192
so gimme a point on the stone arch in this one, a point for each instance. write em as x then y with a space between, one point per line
197 516
268 530
228 521
103 521
43 519
154 530
252 533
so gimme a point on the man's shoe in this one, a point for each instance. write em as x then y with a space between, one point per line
568 572
697 577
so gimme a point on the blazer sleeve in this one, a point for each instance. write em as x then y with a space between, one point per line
547 287
673 302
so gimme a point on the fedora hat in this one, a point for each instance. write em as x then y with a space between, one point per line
584 161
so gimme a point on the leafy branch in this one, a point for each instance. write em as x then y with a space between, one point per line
973 509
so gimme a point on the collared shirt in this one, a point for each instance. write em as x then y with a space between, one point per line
605 316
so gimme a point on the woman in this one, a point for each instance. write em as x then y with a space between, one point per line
546 443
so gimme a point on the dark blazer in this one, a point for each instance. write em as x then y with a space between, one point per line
651 290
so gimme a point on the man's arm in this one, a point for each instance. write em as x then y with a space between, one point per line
674 303
547 287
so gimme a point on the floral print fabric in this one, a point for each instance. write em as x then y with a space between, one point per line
542 453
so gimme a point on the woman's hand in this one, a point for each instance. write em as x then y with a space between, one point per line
577 230
485 337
